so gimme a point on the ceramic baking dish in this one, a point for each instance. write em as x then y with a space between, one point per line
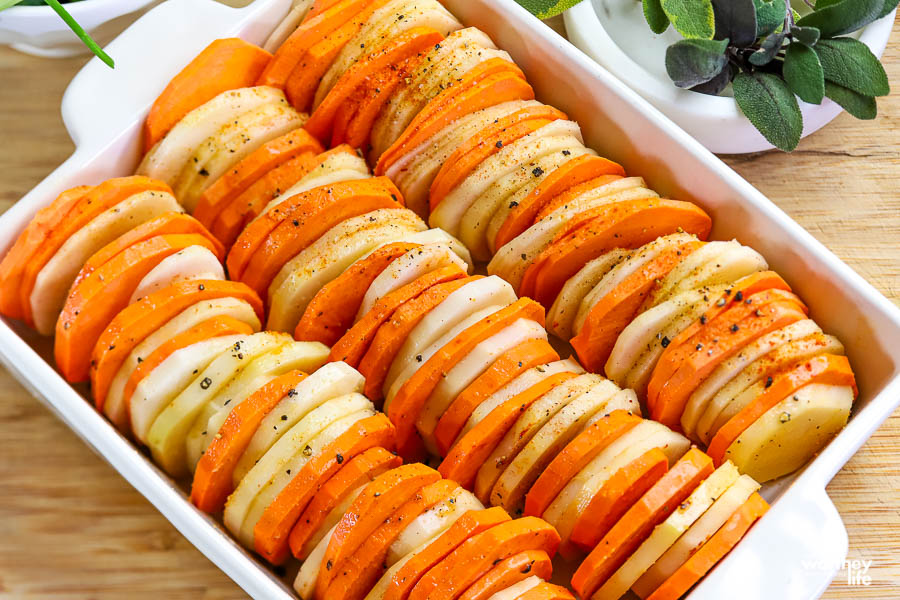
793 552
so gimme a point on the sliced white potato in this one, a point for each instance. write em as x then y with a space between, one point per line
555 136
514 257
624 269
51 286
194 262
406 268
170 378
283 452
730 367
666 533
168 432
308 575
471 297
326 258
412 364
622 400
561 316
697 535
516 590
685 273
288 24
790 433
386 22
165 160
330 381
465 371
439 236
507 191
114 405
526 426
523 470
228 146
303 356
282 477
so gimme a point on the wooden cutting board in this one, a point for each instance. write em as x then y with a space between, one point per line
71 527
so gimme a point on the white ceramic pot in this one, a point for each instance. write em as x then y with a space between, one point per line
38 30
615 34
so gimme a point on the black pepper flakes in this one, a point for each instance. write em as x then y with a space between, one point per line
537 172
665 342
206 383
769 381
339 458
499 143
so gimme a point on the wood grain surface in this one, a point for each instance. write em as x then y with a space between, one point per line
71 527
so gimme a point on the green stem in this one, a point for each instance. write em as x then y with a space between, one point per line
80 32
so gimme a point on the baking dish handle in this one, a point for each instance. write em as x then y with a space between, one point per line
794 551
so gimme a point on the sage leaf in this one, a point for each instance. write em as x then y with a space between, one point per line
804 74
770 16
655 16
692 62
769 48
861 107
888 8
850 63
735 20
544 9
806 35
714 86
842 17
769 104
694 19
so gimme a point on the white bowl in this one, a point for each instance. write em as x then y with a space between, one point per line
634 54
40 31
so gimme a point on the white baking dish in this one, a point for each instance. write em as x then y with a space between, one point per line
793 552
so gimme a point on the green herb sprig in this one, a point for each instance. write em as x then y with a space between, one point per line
77 29
770 54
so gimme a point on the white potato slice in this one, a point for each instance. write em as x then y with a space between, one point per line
288 24
168 432
440 68
165 160
530 421
790 433
622 400
666 533
465 371
697 535
561 316
412 364
302 356
308 575
170 378
493 205
471 297
624 269
283 452
231 144
514 257
730 367
330 381
516 590
406 268
688 269
523 470
553 137
51 286
326 258
282 477
387 22
194 262
439 236
114 405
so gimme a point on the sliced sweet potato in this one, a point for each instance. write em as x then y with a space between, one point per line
547 591
507 367
251 168
510 571
213 480
332 310
98 298
475 557
620 306
406 405
140 319
360 470
226 64
616 496
574 457
570 195
574 173
629 224
473 449
637 523
473 151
